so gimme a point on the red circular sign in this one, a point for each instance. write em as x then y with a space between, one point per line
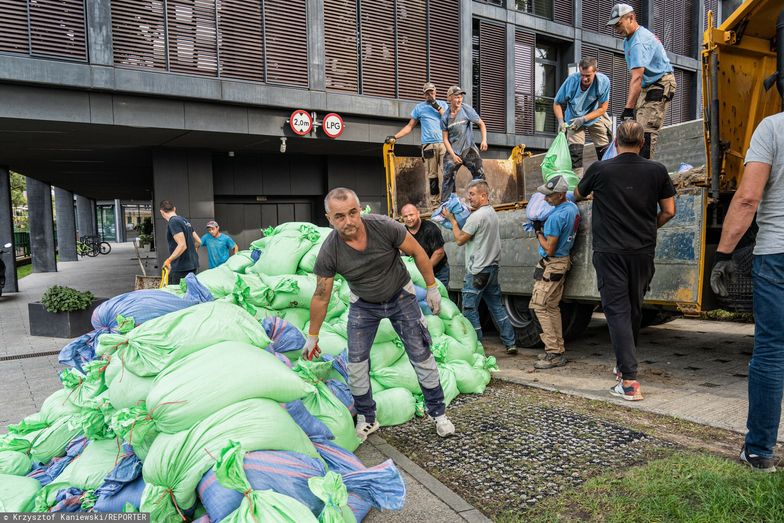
301 122
333 125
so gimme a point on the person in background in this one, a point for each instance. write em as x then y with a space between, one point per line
429 236
219 244
458 130
183 242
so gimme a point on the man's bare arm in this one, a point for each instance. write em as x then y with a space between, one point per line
666 211
635 87
412 248
744 205
319 303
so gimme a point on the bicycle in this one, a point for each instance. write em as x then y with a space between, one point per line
84 248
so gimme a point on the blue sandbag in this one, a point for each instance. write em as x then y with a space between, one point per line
68 500
457 207
343 393
255 254
47 473
195 290
285 336
611 152
129 493
123 484
284 472
310 424
339 363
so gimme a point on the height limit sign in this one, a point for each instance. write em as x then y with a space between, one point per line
333 125
301 122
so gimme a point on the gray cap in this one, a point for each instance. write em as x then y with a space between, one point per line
211 224
554 185
455 89
618 11
428 87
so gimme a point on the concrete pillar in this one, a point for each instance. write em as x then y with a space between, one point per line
66 224
7 231
39 205
99 31
466 50
94 218
119 222
84 223
316 58
510 79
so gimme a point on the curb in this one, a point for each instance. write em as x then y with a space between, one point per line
464 509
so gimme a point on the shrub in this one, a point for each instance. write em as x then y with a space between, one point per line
66 299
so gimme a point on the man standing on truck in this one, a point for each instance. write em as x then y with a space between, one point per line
183 242
761 191
458 136
627 191
365 251
481 236
651 84
556 239
428 114
586 95
428 235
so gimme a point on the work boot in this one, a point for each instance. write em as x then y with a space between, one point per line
551 360
628 390
511 349
365 429
757 463
444 427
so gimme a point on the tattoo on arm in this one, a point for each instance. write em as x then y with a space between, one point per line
321 287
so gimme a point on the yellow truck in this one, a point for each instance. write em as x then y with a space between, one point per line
740 61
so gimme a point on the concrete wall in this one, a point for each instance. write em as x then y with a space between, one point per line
364 175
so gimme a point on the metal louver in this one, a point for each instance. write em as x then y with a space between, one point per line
340 45
193 46
138 33
597 12
240 40
492 79
377 30
563 11
444 33
673 25
411 18
46 28
15 27
525 43
286 46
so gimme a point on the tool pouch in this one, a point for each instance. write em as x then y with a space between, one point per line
428 151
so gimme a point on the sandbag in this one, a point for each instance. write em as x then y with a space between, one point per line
177 462
446 348
332 492
297 317
220 280
154 345
204 382
46 474
435 326
284 336
14 463
343 394
122 485
131 424
310 424
17 493
55 406
240 261
448 384
52 441
84 390
413 271
394 406
385 354
125 388
89 470
308 261
283 252
131 493
386 332
611 152
537 208
400 374
557 158
473 379
448 309
457 207
331 341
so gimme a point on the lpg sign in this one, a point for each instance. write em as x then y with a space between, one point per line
333 125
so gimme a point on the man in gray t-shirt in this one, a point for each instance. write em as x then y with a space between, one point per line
458 130
365 251
761 191
481 237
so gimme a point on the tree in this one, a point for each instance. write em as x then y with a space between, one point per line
19 201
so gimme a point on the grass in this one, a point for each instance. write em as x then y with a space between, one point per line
693 487
24 270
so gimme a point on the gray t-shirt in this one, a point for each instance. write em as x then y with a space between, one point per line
484 248
767 146
460 128
376 274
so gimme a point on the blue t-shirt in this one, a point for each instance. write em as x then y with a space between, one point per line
579 102
460 128
218 249
562 224
643 49
430 120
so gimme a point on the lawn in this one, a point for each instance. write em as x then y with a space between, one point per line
23 270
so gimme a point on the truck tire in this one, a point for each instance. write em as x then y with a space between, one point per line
575 318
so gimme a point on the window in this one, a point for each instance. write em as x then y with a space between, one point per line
543 8
46 28
545 86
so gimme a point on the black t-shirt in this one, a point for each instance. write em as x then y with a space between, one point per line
189 260
627 190
431 239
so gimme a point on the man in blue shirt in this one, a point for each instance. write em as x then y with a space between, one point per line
458 130
428 114
586 96
651 84
556 239
219 245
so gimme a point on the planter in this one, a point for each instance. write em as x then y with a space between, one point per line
60 324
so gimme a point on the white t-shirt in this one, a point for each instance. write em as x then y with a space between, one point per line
767 146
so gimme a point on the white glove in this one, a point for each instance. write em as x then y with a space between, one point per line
311 349
577 123
433 299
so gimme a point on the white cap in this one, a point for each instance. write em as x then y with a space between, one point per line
618 11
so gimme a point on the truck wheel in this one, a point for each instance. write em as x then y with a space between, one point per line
575 318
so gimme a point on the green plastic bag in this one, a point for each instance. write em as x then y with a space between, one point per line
126 389
331 340
469 379
52 441
461 329
54 407
386 354
386 332
331 490
394 406
220 280
14 463
134 427
557 158
309 260
399 374
375 386
201 384
297 317
84 390
448 383
435 326
154 345
446 348
240 261
256 506
95 423
17 493
448 309
296 291
176 462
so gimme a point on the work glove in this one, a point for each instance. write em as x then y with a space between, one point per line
433 298
627 114
576 123
390 139
538 225
311 349
434 105
723 274
561 125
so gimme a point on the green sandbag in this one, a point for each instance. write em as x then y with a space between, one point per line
201 384
448 309
283 252
386 354
52 441
375 386
297 317
330 341
331 490
435 326
17 493
94 423
557 157
54 407
399 374
126 388
240 261
219 281
413 271
157 343
309 260
84 390
324 405
448 383
480 349
296 291
394 406
178 461
94 463
131 424
256 505
446 348
386 332
14 463
470 380
461 329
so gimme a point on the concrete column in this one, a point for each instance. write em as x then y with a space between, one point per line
66 224
7 231
510 78
39 204
84 222
99 32
119 222
466 48
316 58
93 217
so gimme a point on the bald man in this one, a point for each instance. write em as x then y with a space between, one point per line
429 236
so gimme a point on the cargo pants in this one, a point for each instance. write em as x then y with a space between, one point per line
471 160
549 282
433 158
409 323
601 135
651 109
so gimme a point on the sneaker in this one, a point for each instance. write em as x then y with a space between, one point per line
365 429
551 360
628 392
444 427
757 463
511 350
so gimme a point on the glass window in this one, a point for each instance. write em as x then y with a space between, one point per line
546 85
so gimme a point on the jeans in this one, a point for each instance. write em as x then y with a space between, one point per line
443 275
491 293
766 368
471 161
623 280
409 323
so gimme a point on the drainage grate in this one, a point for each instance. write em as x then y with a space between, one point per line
31 355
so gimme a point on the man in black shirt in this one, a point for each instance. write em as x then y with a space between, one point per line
183 243
627 191
427 234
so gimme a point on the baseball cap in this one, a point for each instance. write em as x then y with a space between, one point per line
455 89
618 11
211 224
428 87
554 185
